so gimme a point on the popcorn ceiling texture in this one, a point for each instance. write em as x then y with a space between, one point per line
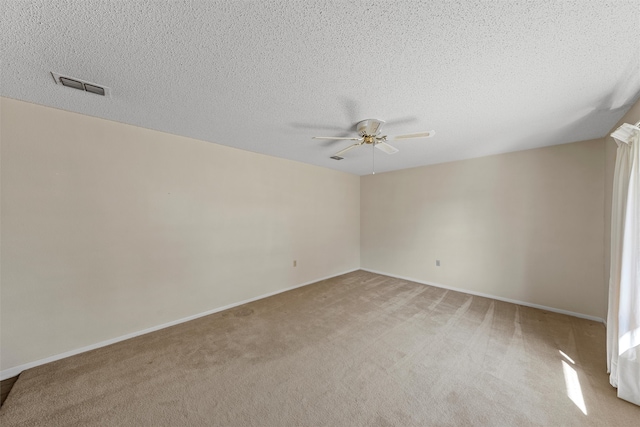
266 76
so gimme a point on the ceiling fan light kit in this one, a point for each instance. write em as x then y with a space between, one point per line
369 131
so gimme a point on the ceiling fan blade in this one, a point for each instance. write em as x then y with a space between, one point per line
332 142
417 135
336 138
383 146
341 152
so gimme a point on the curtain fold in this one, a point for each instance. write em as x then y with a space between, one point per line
623 317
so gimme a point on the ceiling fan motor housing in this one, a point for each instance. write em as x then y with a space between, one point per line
369 127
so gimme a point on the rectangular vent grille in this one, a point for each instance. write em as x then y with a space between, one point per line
80 84
337 157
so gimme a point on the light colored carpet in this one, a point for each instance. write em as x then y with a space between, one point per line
360 349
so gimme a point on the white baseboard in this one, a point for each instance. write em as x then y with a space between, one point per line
480 294
16 370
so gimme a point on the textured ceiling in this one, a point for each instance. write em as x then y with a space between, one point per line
265 76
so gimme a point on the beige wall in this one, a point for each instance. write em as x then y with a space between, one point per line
109 229
525 226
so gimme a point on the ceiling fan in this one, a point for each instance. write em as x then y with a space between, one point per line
369 131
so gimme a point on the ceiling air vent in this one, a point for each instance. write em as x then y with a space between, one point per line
80 84
337 157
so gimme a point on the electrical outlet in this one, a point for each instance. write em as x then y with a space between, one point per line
295 263
437 263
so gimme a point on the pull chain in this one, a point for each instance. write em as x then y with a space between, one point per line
373 158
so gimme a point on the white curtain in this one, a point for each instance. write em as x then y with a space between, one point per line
623 318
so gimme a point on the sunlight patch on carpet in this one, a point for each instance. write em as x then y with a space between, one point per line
574 391
567 357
